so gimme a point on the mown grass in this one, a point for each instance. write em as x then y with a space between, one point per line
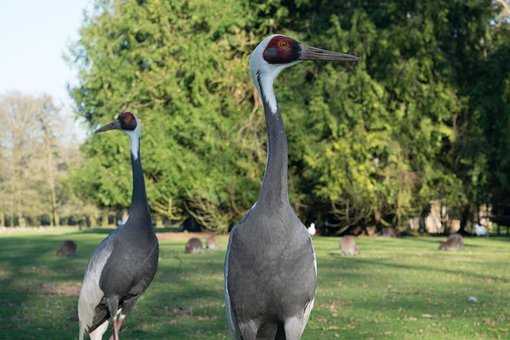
395 289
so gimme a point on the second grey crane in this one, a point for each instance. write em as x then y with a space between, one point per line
124 264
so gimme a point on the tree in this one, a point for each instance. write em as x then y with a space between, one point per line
34 162
379 141
19 145
179 66
49 166
368 146
490 144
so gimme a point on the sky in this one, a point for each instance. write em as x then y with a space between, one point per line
35 34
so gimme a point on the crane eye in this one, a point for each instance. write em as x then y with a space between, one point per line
283 44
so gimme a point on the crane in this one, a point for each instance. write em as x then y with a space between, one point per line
124 264
270 266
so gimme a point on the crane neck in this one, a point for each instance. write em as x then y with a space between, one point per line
274 189
139 209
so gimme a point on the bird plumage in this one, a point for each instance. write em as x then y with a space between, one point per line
91 293
270 276
278 273
270 265
311 229
124 264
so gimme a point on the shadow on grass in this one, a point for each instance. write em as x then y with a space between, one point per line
438 241
187 288
360 263
108 230
32 263
96 230
185 300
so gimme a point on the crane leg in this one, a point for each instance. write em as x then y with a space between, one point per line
117 323
249 330
294 328
97 334
268 331
116 328
113 306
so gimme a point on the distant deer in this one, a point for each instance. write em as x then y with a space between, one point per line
389 232
67 248
194 245
348 246
210 242
454 242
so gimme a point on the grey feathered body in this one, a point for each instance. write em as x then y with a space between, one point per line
270 268
123 265
275 255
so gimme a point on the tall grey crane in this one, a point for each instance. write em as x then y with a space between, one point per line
270 265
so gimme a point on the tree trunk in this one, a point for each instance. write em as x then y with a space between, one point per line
55 220
93 220
49 146
157 220
2 219
465 220
19 215
21 221
423 216
105 220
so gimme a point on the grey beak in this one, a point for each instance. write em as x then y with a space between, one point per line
314 53
115 125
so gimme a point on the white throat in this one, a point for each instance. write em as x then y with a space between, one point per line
135 139
260 68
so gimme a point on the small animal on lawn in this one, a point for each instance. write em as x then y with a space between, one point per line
389 232
348 246
67 248
194 245
454 242
311 229
211 242
481 230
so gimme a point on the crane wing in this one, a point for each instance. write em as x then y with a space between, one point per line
91 294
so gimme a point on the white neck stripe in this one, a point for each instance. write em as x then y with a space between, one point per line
135 139
266 82
266 72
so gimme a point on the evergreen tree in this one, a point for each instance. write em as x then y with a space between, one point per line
372 145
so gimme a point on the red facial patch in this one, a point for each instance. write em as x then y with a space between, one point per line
127 121
282 50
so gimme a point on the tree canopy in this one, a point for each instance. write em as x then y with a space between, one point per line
35 163
422 117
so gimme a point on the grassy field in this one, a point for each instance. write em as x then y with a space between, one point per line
395 289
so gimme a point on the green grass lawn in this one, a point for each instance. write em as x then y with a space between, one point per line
395 289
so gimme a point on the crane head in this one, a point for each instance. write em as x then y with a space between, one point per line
277 52
125 121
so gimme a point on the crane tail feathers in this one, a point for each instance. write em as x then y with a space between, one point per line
81 335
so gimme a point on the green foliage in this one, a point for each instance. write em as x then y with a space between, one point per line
172 63
488 147
382 136
373 144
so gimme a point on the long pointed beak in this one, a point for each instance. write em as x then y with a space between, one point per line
115 125
314 53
